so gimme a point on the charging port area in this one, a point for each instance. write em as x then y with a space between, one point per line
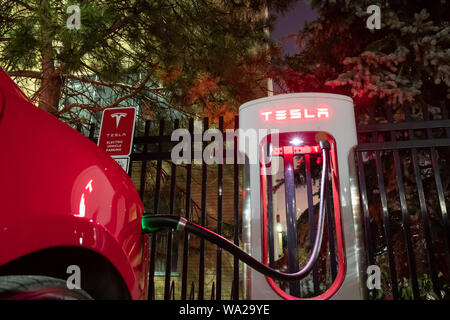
291 198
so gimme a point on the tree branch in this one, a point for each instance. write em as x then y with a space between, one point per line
99 83
115 103
26 74
23 4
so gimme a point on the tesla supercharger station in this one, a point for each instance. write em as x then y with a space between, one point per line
274 200
301 216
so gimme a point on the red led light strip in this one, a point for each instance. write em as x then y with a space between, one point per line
288 150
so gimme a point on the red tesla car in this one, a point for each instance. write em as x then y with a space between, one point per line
67 211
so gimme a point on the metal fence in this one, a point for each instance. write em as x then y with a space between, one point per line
404 175
403 164
156 148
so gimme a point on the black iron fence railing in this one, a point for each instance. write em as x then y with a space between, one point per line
403 161
404 184
144 155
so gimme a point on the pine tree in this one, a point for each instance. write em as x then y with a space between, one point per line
187 55
407 59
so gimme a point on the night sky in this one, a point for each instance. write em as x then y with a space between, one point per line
290 23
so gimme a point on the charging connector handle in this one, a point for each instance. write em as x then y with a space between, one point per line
152 223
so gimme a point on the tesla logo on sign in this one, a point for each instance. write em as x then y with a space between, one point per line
296 113
118 116
116 132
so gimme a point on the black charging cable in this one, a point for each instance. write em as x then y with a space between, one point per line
152 223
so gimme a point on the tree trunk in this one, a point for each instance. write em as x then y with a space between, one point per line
51 80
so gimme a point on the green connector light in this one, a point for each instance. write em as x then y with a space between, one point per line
156 222
148 226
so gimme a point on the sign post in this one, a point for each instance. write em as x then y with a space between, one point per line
116 134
